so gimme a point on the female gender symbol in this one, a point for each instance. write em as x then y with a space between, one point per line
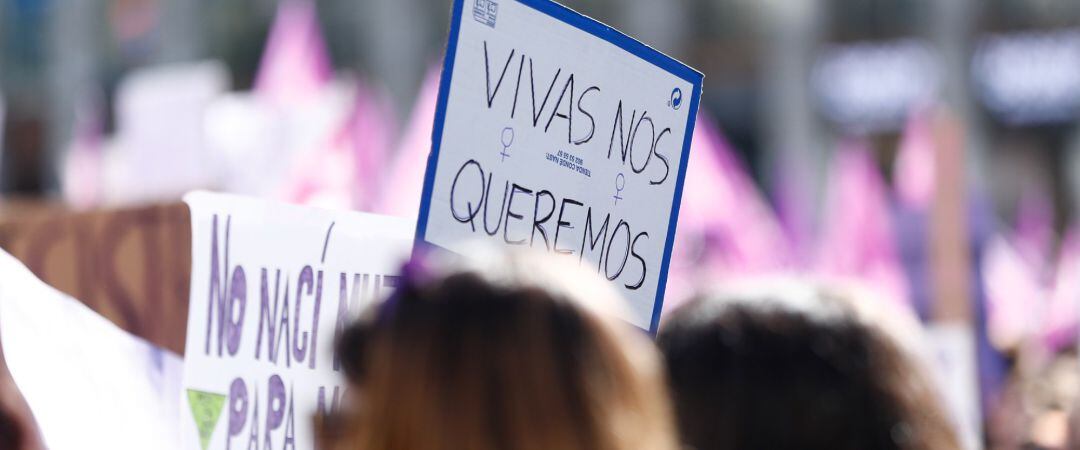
507 141
620 184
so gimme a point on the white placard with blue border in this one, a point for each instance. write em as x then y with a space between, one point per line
555 131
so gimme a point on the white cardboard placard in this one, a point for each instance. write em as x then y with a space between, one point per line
555 131
271 285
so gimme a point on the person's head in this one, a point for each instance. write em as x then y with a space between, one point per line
502 351
792 366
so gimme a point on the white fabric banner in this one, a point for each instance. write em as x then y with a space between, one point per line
89 384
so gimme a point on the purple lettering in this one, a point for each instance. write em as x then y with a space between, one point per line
238 405
275 407
300 345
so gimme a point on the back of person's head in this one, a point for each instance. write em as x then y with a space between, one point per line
792 366
502 351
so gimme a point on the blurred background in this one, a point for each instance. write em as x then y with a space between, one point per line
928 150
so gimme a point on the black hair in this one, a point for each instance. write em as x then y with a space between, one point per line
757 374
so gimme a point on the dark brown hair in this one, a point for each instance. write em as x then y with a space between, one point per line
502 353
771 372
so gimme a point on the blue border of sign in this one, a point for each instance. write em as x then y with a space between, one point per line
595 28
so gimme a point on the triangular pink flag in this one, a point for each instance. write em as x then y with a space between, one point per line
913 171
325 177
796 208
401 193
1015 298
726 228
858 240
295 63
345 172
1034 235
371 130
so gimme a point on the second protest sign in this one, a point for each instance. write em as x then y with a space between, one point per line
271 287
554 131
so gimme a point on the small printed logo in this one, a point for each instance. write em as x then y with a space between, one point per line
676 100
486 11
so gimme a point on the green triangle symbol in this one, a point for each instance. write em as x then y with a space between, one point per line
206 409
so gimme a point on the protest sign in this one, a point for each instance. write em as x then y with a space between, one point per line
554 131
88 383
159 151
271 286
129 265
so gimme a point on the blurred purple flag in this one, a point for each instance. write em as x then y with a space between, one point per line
371 130
858 241
913 172
400 195
344 169
1022 304
326 177
726 228
344 172
295 64
1015 298
1034 236
795 207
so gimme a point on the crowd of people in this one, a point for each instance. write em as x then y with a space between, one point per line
956 218
504 350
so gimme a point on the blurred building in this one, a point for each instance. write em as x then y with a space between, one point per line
787 80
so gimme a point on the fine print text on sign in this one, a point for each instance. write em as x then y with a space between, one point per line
271 286
554 131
